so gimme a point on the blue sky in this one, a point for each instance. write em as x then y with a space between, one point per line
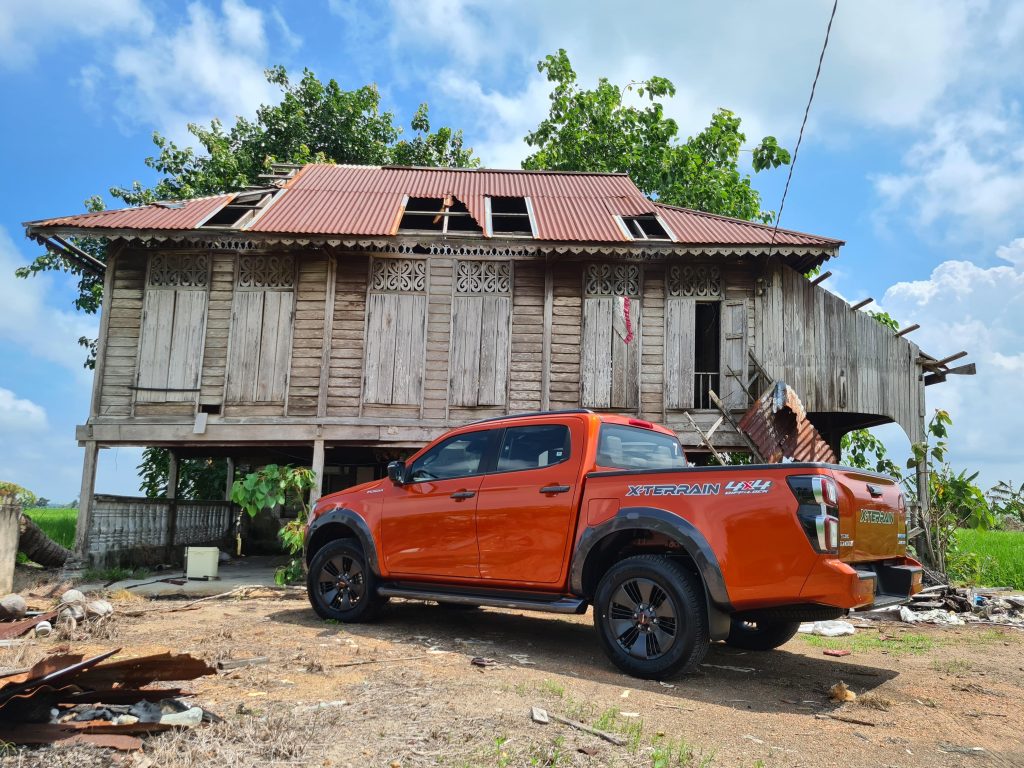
914 153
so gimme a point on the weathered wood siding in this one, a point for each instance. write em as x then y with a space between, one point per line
837 359
566 324
680 328
308 336
171 346
734 354
345 382
651 337
527 361
124 307
218 329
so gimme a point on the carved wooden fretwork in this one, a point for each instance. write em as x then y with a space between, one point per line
259 272
483 277
399 275
612 280
179 270
700 281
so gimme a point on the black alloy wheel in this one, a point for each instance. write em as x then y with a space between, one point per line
339 584
651 616
643 619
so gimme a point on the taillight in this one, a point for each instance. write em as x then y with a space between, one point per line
818 510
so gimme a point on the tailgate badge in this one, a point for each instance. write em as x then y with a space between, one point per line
877 516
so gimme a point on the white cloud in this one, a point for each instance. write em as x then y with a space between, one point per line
964 180
31 323
19 415
963 306
888 64
210 66
27 27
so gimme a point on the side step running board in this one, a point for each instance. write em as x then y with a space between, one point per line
561 605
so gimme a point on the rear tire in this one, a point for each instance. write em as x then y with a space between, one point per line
651 617
341 585
761 635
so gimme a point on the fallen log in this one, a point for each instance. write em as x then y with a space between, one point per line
38 547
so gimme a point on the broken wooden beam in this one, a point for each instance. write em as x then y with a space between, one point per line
908 329
821 278
861 304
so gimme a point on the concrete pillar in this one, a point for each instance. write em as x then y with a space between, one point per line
318 473
10 514
85 498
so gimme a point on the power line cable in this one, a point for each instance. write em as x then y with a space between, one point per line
807 111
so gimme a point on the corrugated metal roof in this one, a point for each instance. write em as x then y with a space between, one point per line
366 200
145 217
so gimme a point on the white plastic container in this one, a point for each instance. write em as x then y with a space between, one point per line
201 562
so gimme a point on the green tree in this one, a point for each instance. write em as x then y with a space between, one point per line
11 493
203 478
594 130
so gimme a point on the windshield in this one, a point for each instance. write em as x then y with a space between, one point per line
637 448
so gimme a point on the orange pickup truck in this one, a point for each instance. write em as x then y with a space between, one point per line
556 511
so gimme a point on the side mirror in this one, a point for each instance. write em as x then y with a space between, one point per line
396 472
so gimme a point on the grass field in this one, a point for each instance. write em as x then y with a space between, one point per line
998 558
58 524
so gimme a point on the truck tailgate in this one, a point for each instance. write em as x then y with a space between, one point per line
872 517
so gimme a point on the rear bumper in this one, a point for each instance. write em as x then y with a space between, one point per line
863 585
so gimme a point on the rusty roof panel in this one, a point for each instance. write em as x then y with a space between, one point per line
365 200
778 425
189 216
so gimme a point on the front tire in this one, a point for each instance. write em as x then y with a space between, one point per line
651 617
761 635
341 585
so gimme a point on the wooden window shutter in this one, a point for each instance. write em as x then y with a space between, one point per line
173 328
734 353
609 365
481 333
259 347
396 332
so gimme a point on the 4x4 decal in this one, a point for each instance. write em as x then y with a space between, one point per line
747 487
732 488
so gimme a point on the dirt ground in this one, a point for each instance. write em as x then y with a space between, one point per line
403 692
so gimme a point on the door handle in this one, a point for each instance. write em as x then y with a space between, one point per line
460 495
556 488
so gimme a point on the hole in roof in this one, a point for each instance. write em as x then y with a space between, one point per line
645 228
438 214
511 216
240 211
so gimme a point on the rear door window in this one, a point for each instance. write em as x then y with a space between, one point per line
533 447
625 447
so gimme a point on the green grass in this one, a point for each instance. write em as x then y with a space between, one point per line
58 524
990 558
902 643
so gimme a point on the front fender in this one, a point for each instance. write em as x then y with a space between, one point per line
318 532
